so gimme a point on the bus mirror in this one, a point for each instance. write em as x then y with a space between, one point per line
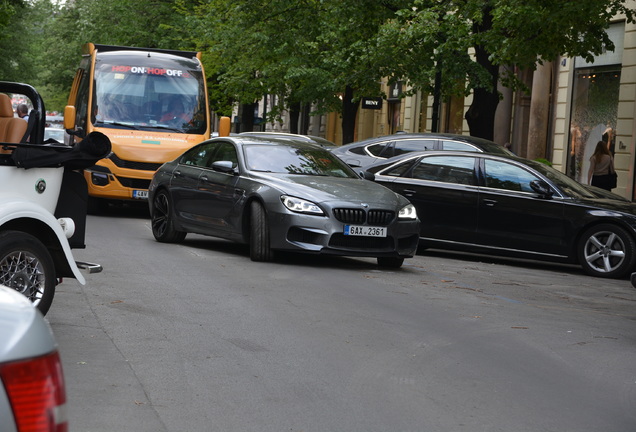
224 126
69 117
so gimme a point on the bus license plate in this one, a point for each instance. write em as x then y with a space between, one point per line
140 194
364 231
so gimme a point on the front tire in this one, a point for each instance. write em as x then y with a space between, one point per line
27 266
162 221
607 251
259 234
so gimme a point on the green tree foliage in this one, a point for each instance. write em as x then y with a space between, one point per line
310 51
46 37
435 38
12 43
328 53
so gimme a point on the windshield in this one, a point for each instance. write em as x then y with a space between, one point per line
295 158
149 92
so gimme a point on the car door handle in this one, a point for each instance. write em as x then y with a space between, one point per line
205 179
408 192
490 202
177 173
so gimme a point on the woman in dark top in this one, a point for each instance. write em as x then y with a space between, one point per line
601 167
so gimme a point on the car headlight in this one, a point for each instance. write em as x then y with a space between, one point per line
300 205
408 212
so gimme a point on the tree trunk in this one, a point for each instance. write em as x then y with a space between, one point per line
304 118
481 114
539 112
294 114
247 117
349 111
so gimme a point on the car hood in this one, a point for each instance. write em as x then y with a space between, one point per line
609 204
325 189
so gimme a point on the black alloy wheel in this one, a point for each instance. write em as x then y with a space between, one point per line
161 220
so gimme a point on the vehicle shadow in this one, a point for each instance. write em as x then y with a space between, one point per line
287 258
573 269
133 209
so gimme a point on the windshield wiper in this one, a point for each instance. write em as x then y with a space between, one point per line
167 128
126 125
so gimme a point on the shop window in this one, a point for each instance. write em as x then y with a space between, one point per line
594 112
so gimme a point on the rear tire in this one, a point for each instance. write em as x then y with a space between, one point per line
27 266
390 262
259 234
162 222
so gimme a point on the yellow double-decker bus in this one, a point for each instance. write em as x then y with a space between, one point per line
151 103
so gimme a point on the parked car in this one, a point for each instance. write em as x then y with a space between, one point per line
43 212
280 195
32 389
53 133
510 206
289 136
366 152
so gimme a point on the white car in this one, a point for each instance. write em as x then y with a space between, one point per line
32 389
43 212
53 133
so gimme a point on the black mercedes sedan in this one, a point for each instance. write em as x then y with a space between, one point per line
280 195
510 206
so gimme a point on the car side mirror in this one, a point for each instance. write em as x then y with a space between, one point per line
367 175
224 167
542 188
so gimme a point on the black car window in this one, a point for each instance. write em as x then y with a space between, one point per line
399 170
199 155
503 175
448 169
358 150
225 152
458 146
378 149
411 145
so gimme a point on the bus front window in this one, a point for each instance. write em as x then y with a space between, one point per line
143 97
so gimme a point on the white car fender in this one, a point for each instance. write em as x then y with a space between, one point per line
12 210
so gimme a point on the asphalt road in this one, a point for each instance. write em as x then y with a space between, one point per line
196 337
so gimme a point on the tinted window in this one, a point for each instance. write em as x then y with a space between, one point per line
502 175
458 146
399 170
225 152
448 169
199 156
411 145
378 150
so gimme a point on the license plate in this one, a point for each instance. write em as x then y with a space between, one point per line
140 194
364 231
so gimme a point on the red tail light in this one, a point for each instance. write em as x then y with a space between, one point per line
37 394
